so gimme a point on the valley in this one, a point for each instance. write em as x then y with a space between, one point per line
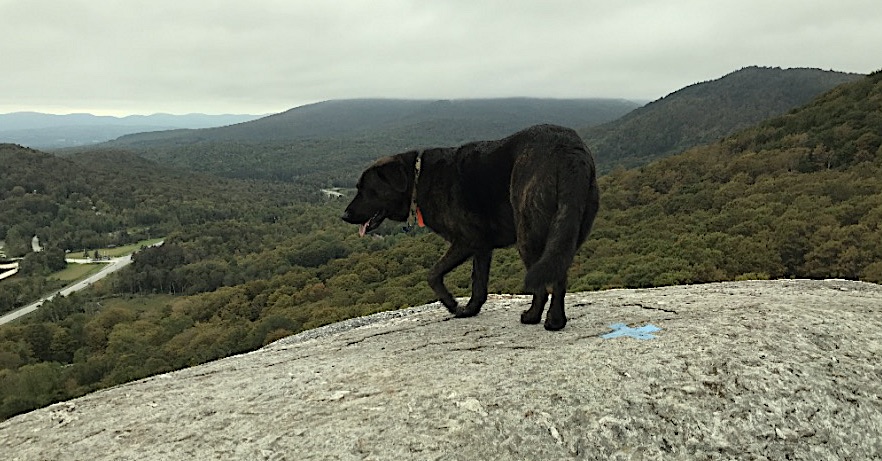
254 251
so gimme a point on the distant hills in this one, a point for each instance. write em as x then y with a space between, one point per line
331 141
50 131
328 143
445 121
705 112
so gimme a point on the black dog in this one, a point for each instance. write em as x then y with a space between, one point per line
536 188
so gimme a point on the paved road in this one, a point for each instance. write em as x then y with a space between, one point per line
111 266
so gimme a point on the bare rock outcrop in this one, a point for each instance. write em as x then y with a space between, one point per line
786 369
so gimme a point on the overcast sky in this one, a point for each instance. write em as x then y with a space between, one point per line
120 57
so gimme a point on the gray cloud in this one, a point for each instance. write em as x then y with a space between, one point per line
266 56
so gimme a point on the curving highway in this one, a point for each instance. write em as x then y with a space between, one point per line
112 265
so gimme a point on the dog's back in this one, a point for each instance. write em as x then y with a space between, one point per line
499 185
555 199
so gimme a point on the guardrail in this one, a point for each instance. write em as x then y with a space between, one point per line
11 269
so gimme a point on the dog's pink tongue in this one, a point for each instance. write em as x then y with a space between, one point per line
362 229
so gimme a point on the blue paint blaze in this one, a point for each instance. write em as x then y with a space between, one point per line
622 330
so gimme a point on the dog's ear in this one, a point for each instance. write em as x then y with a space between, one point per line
394 174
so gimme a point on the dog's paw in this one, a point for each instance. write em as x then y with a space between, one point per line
468 311
451 305
529 317
555 324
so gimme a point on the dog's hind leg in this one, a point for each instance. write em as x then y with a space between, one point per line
480 278
530 251
455 256
533 315
556 318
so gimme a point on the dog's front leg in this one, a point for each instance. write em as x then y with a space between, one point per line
455 256
480 278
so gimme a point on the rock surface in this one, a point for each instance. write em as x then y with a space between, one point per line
783 369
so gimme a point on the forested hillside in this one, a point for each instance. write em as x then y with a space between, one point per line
706 112
796 196
329 142
103 198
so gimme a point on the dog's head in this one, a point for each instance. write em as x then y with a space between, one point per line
384 191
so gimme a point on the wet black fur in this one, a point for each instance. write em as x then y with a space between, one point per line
536 188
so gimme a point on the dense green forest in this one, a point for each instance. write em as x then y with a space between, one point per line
97 199
706 112
795 196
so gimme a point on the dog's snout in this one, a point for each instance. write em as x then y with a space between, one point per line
345 216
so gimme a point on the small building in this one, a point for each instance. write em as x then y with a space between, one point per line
332 193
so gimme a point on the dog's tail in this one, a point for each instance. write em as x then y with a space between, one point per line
569 226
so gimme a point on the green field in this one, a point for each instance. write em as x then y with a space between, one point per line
75 272
120 250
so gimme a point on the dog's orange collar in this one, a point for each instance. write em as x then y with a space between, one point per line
416 216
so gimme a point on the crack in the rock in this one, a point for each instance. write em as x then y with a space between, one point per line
471 348
436 343
478 347
652 308
362 339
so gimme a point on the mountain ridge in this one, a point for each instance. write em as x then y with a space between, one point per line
348 117
330 142
705 112
349 133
